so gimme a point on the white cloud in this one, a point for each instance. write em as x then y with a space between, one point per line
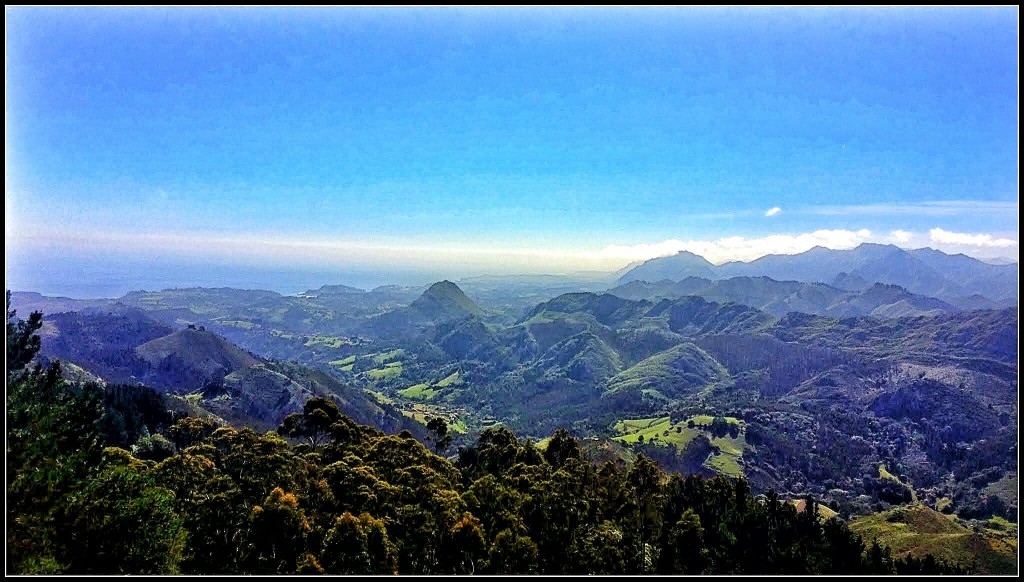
448 256
773 211
971 240
643 251
901 236
738 248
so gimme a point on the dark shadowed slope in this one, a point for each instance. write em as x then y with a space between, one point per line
128 347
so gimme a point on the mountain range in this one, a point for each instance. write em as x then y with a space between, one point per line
922 271
781 297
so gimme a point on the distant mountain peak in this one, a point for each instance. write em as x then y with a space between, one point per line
687 255
880 250
206 349
447 297
675 267
443 287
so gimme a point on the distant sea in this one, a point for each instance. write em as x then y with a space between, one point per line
111 279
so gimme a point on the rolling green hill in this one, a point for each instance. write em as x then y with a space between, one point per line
916 530
672 375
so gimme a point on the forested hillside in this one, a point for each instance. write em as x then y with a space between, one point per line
109 480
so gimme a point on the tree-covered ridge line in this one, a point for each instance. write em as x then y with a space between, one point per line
100 482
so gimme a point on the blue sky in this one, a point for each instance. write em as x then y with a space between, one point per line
485 140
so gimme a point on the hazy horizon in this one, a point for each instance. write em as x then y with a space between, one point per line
110 282
283 149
